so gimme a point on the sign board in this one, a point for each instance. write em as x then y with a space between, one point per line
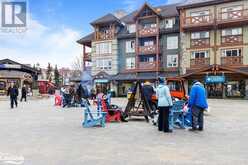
101 81
215 79
12 66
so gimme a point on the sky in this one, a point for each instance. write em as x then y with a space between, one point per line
54 26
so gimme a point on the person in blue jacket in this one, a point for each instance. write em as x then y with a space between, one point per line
197 103
164 104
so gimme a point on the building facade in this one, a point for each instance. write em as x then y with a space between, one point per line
214 38
20 74
137 47
205 40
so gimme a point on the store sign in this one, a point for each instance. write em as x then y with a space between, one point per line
12 66
101 81
215 79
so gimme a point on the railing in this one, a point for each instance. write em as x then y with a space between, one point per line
235 60
199 62
232 39
233 15
105 35
145 31
151 49
198 20
147 65
200 43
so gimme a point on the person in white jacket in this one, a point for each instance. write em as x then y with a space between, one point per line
164 104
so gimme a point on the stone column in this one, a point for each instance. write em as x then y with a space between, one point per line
246 89
186 86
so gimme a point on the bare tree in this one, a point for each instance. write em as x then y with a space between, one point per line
77 66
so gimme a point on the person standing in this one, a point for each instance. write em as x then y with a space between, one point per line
148 92
13 93
197 103
164 104
24 93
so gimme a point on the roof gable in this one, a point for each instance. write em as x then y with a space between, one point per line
109 18
146 7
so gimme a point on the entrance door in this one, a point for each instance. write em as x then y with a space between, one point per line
102 87
215 90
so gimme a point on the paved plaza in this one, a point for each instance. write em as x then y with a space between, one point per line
37 133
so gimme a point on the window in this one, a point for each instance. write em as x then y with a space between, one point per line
152 25
130 63
104 48
199 35
230 32
148 43
130 46
232 12
200 13
172 42
200 54
169 23
172 61
131 28
147 59
104 64
231 52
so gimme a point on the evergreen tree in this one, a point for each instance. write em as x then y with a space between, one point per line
49 72
56 76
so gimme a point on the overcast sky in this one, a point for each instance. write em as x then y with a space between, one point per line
55 25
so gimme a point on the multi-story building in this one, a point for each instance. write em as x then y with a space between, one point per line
214 45
139 46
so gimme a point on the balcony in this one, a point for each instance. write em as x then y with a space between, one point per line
200 43
151 49
147 66
235 60
199 62
148 31
204 22
87 57
232 40
107 35
229 18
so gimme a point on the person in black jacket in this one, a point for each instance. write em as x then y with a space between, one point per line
13 93
24 93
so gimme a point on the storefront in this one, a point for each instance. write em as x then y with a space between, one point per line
221 82
11 71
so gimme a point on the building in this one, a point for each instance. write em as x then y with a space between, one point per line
20 74
139 46
214 39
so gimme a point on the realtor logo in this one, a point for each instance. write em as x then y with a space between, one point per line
14 14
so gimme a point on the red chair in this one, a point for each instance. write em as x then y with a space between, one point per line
58 100
113 113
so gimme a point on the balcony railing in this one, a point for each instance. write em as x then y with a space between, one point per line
107 35
232 39
151 49
235 15
147 66
200 43
235 60
87 56
201 20
199 62
148 31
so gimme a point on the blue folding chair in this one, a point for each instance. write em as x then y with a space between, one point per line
92 119
177 115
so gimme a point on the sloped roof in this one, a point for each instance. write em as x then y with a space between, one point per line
106 19
200 3
86 39
23 67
